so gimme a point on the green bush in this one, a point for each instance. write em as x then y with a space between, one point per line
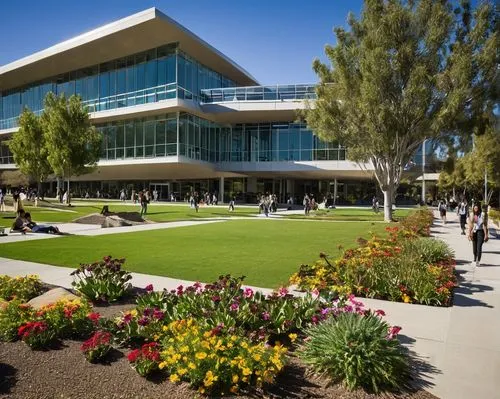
12 315
429 250
102 281
360 351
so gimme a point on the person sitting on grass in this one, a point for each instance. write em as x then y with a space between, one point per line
20 224
39 228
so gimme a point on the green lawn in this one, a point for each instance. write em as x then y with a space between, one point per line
157 213
366 214
266 251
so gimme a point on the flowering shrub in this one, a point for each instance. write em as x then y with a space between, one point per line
22 288
214 362
63 318
358 349
419 222
102 281
225 303
12 315
37 334
97 346
68 318
399 267
145 360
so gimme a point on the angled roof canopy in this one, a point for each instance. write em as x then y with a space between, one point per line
139 32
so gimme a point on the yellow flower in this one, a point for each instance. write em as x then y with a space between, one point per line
162 365
256 357
292 337
236 378
234 338
201 355
184 349
209 379
192 366
182 371
246 371
233 389
133 312
174 378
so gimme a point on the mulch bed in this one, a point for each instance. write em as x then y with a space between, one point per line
63 372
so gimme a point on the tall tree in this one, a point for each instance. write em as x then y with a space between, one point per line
392 82
29 148
73 144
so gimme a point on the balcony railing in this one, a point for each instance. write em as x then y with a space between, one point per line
259 93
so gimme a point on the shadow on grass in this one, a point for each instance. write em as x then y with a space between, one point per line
8 378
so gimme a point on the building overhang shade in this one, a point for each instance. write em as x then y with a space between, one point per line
139 32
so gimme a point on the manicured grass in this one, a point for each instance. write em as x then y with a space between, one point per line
266 251
350 214
156 213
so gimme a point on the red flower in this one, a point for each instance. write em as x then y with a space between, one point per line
380 312
134 355
149 288
94 317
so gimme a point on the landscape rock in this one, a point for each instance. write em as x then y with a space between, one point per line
114 221
51 296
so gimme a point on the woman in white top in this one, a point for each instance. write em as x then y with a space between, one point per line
478 231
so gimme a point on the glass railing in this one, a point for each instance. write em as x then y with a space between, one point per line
259 93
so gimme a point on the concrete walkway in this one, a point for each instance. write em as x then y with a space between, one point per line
457 349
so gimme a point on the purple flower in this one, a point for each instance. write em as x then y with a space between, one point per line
147 312
180 290
216 298
158 314
149 288
127 318
248 293
143 321
235 306
266 316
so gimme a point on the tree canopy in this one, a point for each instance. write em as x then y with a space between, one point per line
29 148
399 75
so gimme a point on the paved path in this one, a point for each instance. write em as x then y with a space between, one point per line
457 348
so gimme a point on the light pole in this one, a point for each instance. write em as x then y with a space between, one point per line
423 172
485 186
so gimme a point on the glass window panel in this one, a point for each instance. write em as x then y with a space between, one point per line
129 135
120 142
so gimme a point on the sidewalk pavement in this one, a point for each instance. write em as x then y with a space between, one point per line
457 348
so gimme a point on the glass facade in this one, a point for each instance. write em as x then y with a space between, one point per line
5 154
259 93
151 76
204 140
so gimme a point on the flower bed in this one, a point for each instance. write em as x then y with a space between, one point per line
403 266
21 288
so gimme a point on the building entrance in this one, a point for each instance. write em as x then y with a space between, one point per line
163 190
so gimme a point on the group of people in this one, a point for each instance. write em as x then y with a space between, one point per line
472 224
268 203
24 224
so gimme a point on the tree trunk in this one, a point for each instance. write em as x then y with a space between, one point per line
69 195
388 198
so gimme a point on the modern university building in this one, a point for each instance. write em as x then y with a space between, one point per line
178 115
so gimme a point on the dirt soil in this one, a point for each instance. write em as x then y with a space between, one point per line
63 372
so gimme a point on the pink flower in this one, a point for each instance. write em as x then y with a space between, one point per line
315 292
393 331
180 290
266 316
380 312
235 306
283 291
248 293
149 288
315 320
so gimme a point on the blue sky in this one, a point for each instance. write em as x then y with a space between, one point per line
275 40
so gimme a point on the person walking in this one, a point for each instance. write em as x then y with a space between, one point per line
463 212
442 211
478 232
143 199
231 204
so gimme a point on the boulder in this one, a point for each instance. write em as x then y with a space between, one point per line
114 221
51 296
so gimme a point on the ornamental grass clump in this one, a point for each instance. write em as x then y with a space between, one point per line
361 351
22 288
97 346
103 281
